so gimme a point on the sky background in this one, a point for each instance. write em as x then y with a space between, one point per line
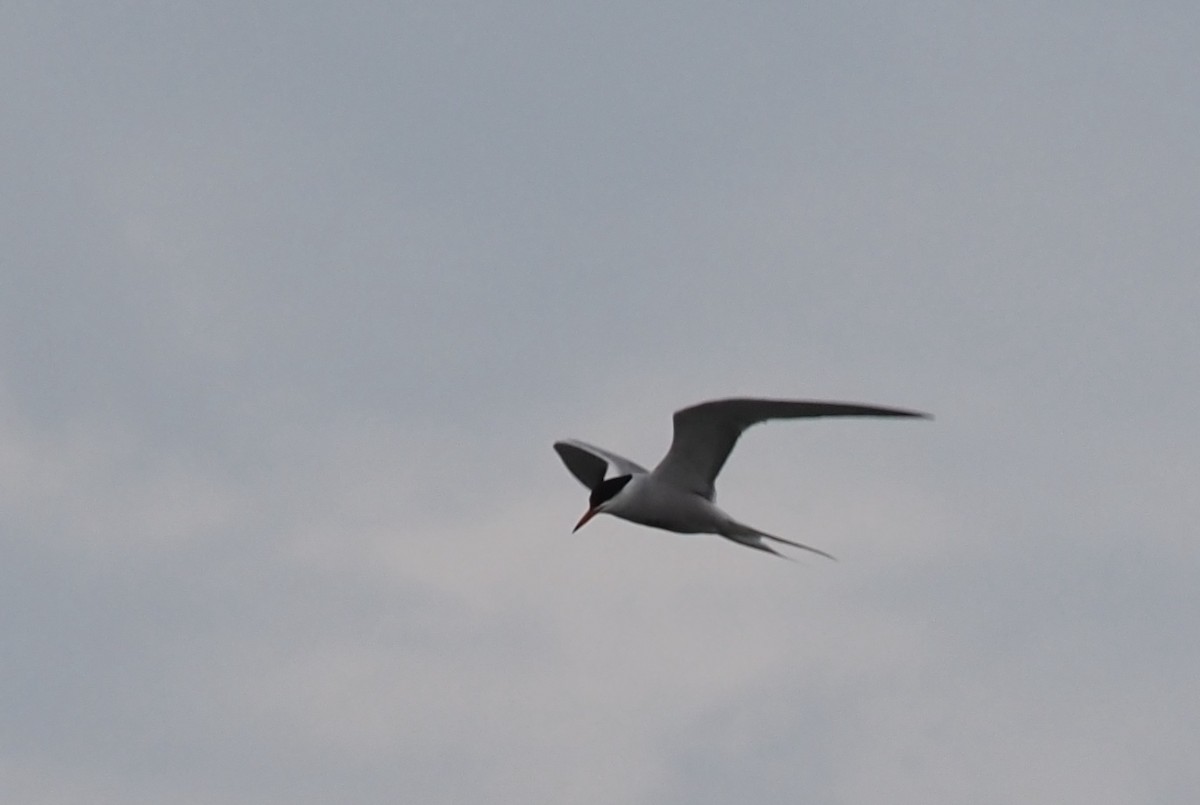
295 298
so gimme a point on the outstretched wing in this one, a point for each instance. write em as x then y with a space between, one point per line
590 464
706 433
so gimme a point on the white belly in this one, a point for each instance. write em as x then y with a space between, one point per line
648 502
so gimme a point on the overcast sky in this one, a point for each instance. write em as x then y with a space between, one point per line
296 297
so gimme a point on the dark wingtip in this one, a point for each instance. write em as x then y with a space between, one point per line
911 414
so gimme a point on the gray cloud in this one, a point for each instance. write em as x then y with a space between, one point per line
297 298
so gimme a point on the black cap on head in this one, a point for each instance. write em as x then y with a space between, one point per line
607 490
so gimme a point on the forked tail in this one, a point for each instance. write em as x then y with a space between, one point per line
753 538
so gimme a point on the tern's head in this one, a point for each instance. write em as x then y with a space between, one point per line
602 495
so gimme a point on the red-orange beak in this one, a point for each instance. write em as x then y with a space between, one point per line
587 515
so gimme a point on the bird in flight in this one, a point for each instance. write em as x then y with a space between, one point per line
678 494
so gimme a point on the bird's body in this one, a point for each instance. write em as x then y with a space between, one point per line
678 494
659 505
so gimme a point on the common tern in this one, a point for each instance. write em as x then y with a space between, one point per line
678 495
